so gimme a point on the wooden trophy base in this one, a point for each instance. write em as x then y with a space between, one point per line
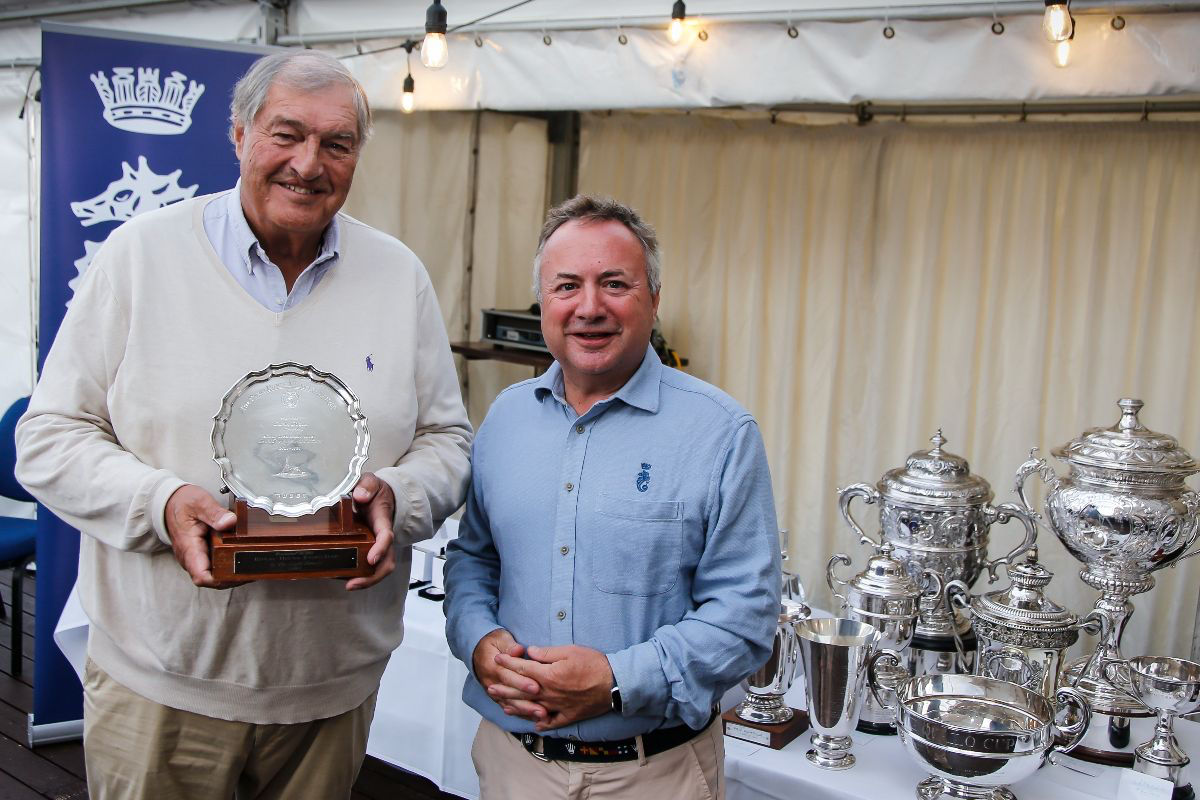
332 543
775 737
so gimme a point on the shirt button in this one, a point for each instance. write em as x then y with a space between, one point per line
570 486
579 429
564 550
562 615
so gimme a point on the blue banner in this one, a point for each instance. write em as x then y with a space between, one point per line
130 123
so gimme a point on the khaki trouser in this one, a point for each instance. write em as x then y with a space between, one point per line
136 749
694 770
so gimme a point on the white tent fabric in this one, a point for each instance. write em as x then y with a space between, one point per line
737 63
16 368
860 288
16 290
758 64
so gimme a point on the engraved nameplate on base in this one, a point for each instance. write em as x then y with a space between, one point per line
291 442
774 736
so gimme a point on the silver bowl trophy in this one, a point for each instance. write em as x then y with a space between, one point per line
1124 511
834 654
764 717
1170 687
884 596
1022 636
291 442
975 735
938 515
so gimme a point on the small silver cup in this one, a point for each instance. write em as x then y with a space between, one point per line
765 688
834 653
1170 687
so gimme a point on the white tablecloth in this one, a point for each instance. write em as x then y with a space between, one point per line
884 772
422 725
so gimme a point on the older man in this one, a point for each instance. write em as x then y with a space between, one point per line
618 566
266 689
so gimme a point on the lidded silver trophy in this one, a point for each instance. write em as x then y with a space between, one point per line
937 515
1124 511
884 596
1022 635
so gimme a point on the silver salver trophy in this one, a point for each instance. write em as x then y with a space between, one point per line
291 442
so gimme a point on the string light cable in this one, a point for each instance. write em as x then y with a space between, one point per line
449 31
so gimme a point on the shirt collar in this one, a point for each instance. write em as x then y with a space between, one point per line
640 391
247 243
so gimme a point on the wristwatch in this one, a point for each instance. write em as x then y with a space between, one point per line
616 697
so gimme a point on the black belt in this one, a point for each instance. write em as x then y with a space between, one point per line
549 748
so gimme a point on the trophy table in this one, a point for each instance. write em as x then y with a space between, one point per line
291 442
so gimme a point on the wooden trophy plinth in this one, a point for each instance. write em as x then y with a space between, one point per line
333 542
775 737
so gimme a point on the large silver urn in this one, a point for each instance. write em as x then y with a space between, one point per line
937 515
884 596
1125 512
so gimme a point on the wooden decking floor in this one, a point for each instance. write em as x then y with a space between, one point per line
57 770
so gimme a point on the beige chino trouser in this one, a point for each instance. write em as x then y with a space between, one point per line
695 770
136 749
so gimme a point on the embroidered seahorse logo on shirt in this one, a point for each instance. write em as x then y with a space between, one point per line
643 478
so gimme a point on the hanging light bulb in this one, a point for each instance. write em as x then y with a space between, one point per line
678 15
434 50
1062 53
1057 23
407 101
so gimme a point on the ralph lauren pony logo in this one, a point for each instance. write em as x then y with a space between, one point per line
643 478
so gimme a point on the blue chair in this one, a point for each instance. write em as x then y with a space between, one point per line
18 537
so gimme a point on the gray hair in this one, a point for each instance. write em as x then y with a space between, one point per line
592 208
307 70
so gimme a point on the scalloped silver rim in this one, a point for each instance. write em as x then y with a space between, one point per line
354 410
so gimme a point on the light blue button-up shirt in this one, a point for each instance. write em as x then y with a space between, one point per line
239 250
644 528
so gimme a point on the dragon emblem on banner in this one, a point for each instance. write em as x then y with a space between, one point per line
135 192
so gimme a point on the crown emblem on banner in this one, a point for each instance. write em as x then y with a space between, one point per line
147 107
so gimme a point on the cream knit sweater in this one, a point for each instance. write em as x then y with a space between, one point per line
122 417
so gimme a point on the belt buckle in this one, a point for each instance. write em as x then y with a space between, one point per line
529 741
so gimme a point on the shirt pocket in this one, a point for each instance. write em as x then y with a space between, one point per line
639 546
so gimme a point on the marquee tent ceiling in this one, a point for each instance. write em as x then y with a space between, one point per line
567 54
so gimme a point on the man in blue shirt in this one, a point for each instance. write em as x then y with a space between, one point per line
618 566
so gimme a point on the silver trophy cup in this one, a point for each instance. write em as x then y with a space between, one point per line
764 704
834 654
1169 686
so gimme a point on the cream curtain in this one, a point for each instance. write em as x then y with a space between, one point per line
420 180
858 288
413 181
511 191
